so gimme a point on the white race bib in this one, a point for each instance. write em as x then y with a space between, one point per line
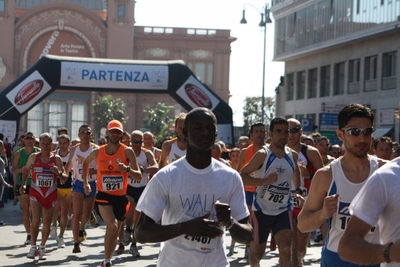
202 243
111 183
44 180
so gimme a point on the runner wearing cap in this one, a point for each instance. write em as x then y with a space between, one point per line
115 162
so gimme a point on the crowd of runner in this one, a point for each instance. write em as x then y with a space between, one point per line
190 190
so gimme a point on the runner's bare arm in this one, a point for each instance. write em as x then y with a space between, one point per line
153 166
296 173
241 231
68 166
166 148
134 170
318 206
27 168
254 164
354 248
15 169
59 170
315 158
242 156
85 166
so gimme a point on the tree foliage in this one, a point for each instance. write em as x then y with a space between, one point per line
106 109
158 119
252 111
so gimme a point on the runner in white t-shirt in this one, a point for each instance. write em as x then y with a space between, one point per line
187 195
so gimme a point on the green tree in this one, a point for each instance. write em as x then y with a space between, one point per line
158 119
106 109
252 111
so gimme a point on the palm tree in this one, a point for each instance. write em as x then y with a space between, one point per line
157 119
106 109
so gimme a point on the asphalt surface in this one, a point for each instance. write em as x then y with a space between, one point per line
13 251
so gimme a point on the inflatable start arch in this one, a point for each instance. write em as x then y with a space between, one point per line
94 74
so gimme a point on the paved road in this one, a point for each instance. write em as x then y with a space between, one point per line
13 252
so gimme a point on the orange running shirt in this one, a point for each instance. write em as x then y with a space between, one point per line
249 154
109 179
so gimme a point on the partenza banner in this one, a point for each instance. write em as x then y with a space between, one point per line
50 73
76 74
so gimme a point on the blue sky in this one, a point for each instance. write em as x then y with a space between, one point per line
247 50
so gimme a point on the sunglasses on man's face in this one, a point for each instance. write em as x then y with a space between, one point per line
357 131
294 130
115 131
85 132
136 142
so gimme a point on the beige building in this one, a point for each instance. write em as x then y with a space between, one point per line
337 53
100 29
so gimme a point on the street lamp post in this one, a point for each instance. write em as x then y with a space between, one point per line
265 19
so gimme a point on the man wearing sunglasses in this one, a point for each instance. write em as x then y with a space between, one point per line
309 162
82 203
148 166
115 163
334 186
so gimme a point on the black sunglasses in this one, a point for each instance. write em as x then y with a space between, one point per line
294 130
114 131
357 131
137 142
85 132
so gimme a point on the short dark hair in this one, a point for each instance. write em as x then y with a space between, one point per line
277 120
83 126
255 125
65 136
62 129
383 139
195 111
354 111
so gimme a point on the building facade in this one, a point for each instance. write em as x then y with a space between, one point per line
100 29
338 52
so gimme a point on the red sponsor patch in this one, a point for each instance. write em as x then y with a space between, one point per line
28 92
198 96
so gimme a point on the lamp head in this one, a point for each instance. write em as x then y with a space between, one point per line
243 20
262 22
267 15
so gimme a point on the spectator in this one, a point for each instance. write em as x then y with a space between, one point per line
383 147
335 151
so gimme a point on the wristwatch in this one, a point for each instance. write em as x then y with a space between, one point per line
128 168
230 224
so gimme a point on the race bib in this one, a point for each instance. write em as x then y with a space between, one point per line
294 199
134 182
111 183
44 180
202 243
276 194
